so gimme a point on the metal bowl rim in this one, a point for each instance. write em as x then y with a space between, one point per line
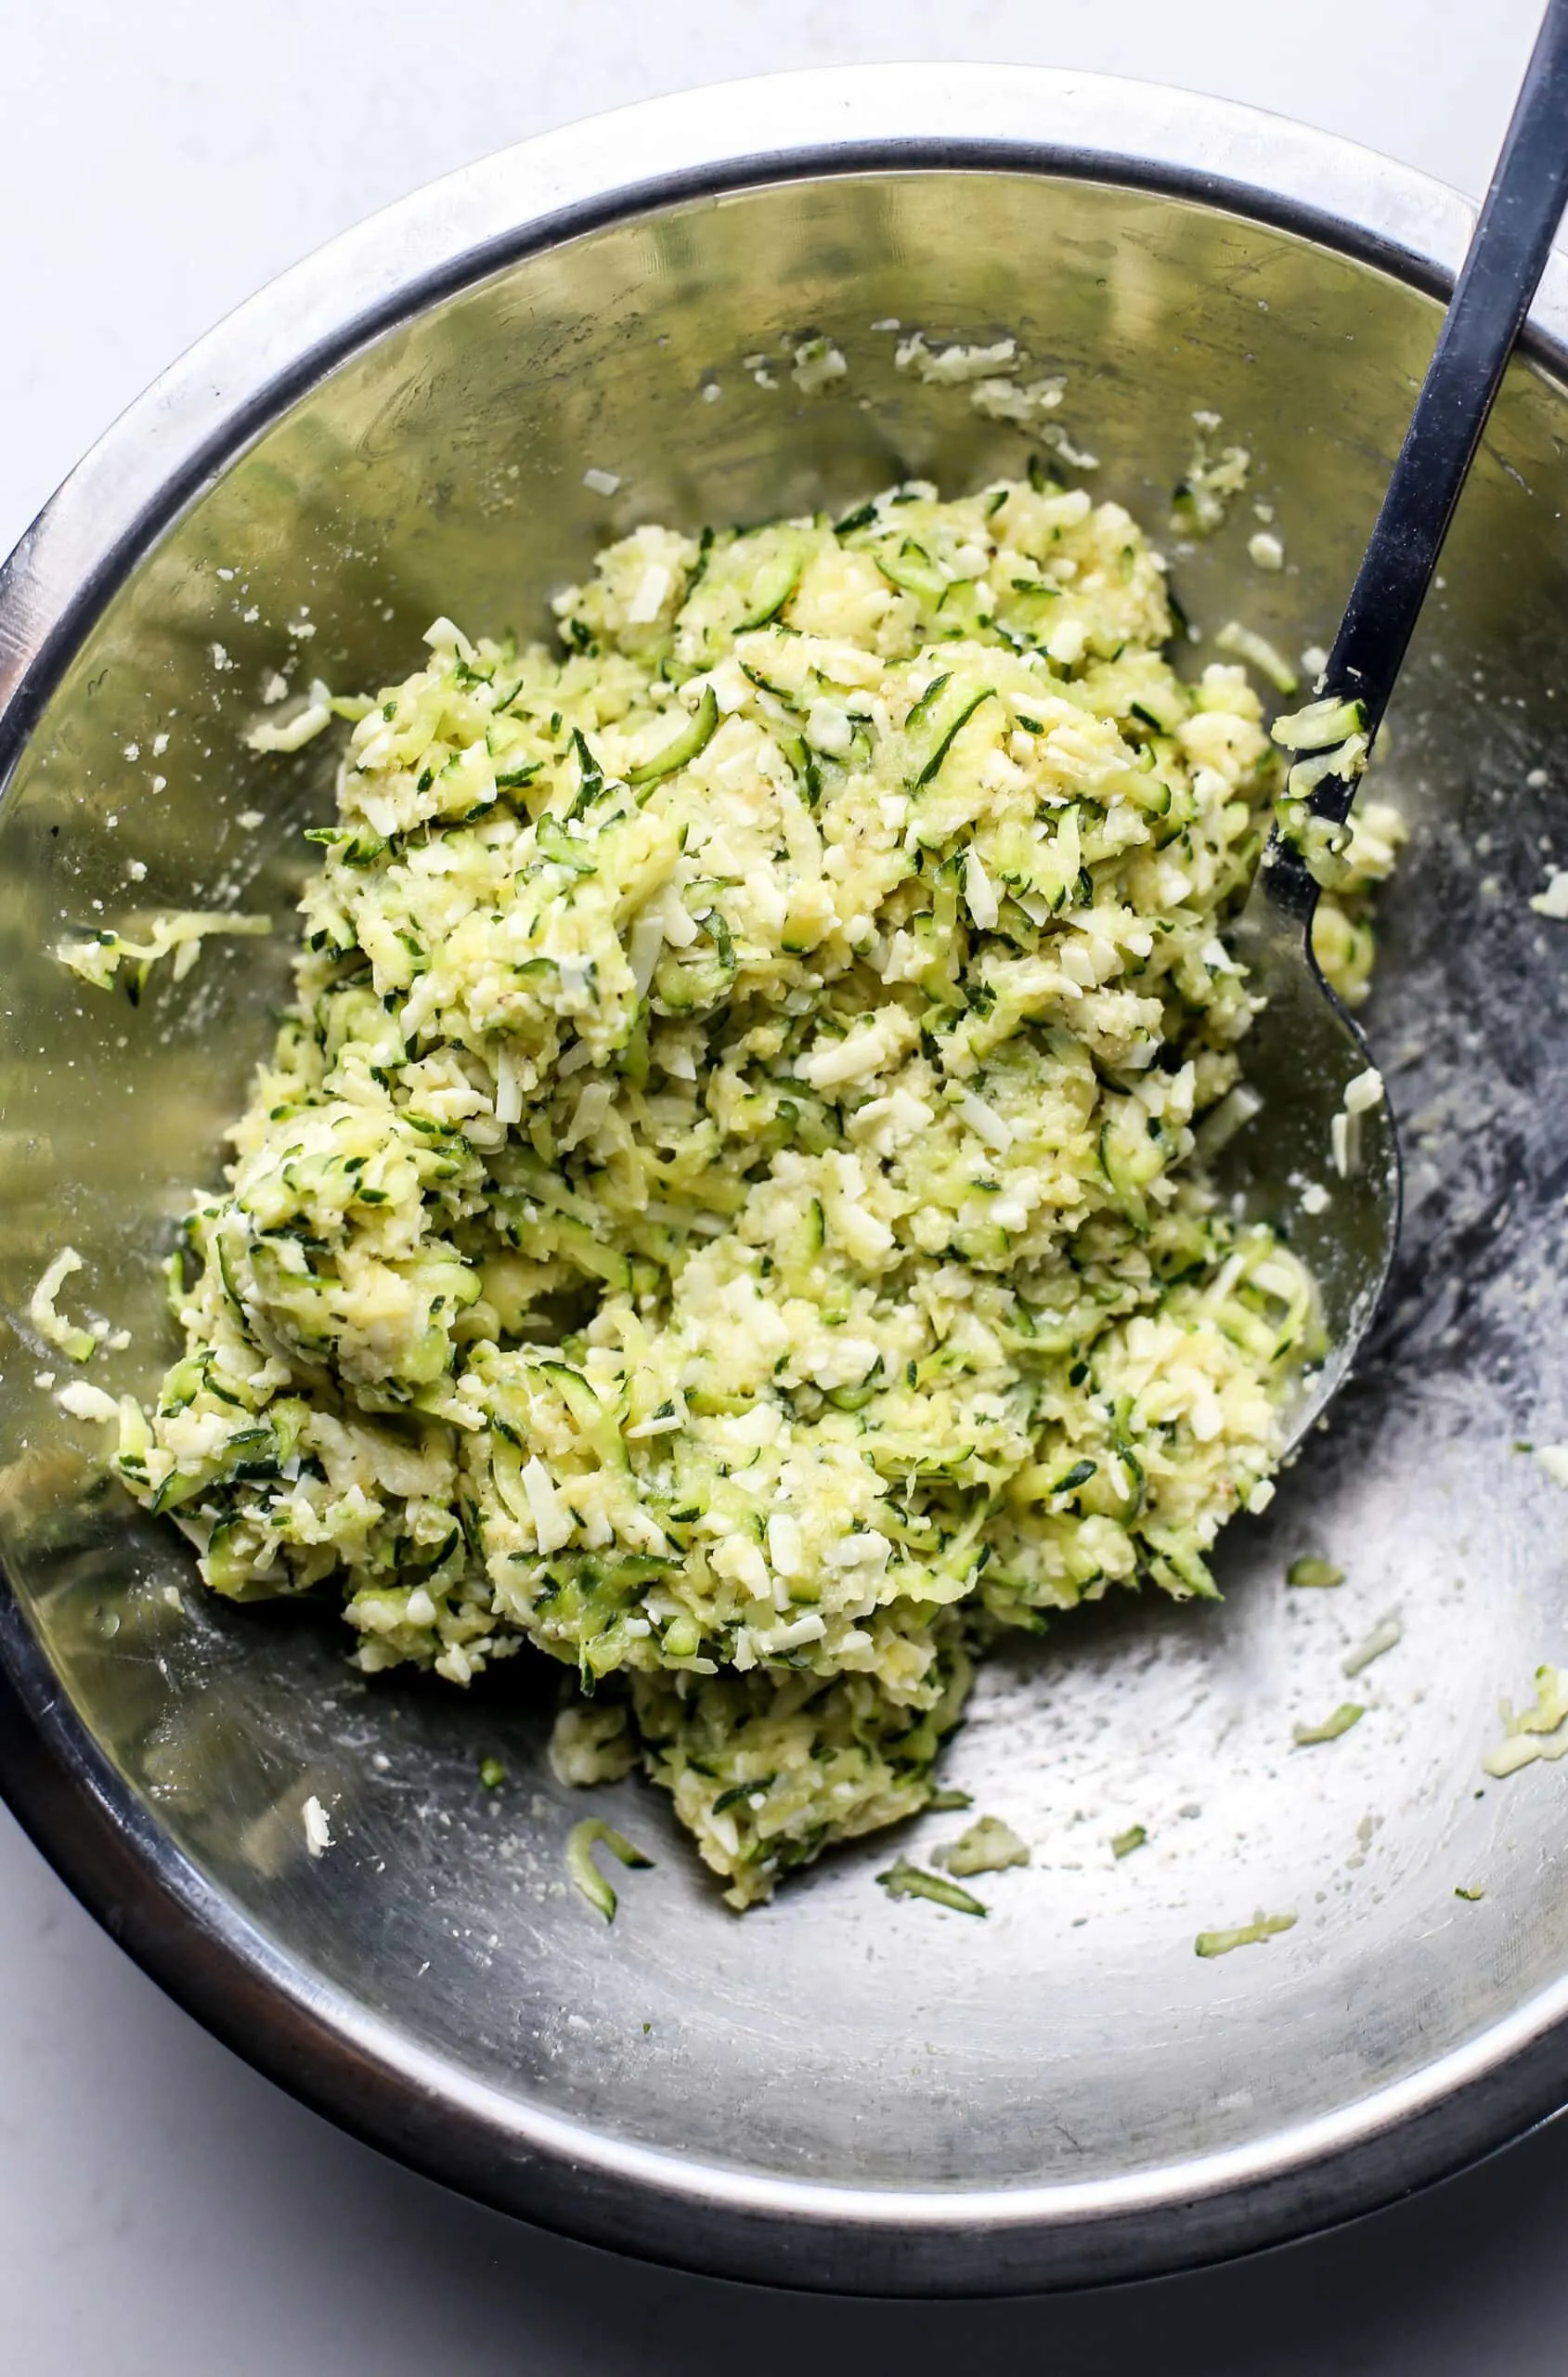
105 1843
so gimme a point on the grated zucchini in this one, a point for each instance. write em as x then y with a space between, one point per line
726 1205
581 1841
989 1847
1348 1713
1262 1928
904 1880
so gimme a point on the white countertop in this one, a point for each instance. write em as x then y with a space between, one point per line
162 2209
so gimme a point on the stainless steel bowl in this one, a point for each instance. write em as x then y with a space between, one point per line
835 2091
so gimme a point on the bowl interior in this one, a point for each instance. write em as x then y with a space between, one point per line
835 2036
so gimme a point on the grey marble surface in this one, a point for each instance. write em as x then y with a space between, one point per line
162 2209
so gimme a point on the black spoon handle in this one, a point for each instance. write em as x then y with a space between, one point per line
1507 257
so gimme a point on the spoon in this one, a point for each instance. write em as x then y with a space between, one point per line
1321 1120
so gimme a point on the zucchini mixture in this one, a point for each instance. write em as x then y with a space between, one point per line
723 1207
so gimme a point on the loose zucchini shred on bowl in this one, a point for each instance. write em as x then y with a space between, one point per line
722 1207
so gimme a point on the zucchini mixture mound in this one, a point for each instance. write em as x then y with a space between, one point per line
723 1207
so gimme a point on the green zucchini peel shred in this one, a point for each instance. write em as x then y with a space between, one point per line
1245 1935
904 1880
581 1841
684 748
1348 1713
1310 1572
